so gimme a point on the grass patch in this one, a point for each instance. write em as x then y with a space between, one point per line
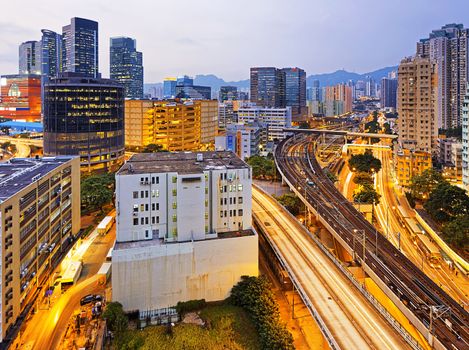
227 327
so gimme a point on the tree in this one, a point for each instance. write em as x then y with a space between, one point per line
291 202
152 148
362 178
330 175
262 167
457 231
115 317
366 194
365 162
96 191
304 125
421 185
447 202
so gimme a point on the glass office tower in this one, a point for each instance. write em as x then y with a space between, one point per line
268 87
295 90
126 66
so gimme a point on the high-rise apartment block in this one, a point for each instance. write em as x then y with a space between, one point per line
30 58
274 119
448 49
175 126
126 66
80 47
20 97
40 210
465 139
338 99
183 229
388 93
85 116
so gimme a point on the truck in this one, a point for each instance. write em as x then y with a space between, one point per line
104 273
71 274
105 225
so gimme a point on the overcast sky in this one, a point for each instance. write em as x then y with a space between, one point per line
227 37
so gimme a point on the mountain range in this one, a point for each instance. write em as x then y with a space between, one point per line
325 79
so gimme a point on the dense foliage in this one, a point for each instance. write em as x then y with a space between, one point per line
366 193
96 191
457 231
262 167
114 315
447 203
365 162
152 148
421 185
362 178
291 202
183 307
254 294
451 132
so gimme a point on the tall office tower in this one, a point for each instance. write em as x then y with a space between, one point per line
85 116
126 66
40 207
448 48
185 88
30 57
268 87
315 91
228 93
388 93
80 47
370 87
465 139
295 91
184 80
417 82
169 88
183 230
51 45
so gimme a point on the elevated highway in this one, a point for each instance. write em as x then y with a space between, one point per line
431 310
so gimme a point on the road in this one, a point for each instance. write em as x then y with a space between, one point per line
353 323
22 150
387 215
47 327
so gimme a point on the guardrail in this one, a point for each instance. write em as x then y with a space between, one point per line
304 297
376 304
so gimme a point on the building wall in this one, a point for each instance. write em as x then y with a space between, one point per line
37 224
20 97
465 140
208 120
410 164
276 119
157 277
138 123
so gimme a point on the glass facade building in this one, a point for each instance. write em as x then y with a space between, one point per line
51 48
228 93
126 66
169 88
295 91
30 57
80 47
268 87
85 116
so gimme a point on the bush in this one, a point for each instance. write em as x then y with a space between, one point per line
365 162
184 307
254 294
410 199
115 317
291 202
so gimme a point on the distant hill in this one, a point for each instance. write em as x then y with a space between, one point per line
325 79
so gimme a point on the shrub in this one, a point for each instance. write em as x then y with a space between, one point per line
184 307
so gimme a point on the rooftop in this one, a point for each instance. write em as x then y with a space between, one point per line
181 162
18 173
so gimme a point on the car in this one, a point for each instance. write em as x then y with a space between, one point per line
87 299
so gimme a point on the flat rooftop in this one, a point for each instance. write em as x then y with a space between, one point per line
181 162
18 173
156 241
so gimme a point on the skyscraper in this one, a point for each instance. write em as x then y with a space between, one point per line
448 48
126 66
388 92
228 93
465 139
295 91
30 57
185 88
268 87
80 47
169 88
51 54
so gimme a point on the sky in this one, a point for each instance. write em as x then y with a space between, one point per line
226 38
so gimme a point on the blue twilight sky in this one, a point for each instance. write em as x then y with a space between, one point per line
227 37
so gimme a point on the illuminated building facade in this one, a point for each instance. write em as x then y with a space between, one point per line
138 123
20 97
126 66
85 116
30 57
411 163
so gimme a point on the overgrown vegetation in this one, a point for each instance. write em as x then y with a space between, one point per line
153 148
330 175
96 191
184 307
421 185
254 294
262 167
366 194
116 320
365 163
291 202
362 178
451 132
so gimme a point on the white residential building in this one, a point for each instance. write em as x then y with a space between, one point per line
183 229
276 119
465 140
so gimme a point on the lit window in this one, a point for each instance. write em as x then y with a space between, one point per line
175 192
175 218
240 187
175 205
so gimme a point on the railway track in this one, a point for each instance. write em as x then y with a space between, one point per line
425 299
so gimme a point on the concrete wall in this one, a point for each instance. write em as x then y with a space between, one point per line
158 276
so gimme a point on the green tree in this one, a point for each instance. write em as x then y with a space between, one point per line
457 232
152 148
96 191
330 175
291 202
362 178
304 125
115 317
366 194
262 167
421 185
365 162
447 202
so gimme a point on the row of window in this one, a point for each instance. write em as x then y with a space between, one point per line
144 194
224 201
145 207
232 213
231 188
145 220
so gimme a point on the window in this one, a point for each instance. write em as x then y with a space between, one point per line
206 203
146 220
175 218
175 205
153 206
142 194
142 207
175 192
206 216
135 194
174 180
146 207
135 221
221 201
231 200
221 213
142 221
146 194
155 193
224 199
157 219
240 187
146 233
153 220
234 200
157 206
206 190
135 208
155 180
206 229
240 212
